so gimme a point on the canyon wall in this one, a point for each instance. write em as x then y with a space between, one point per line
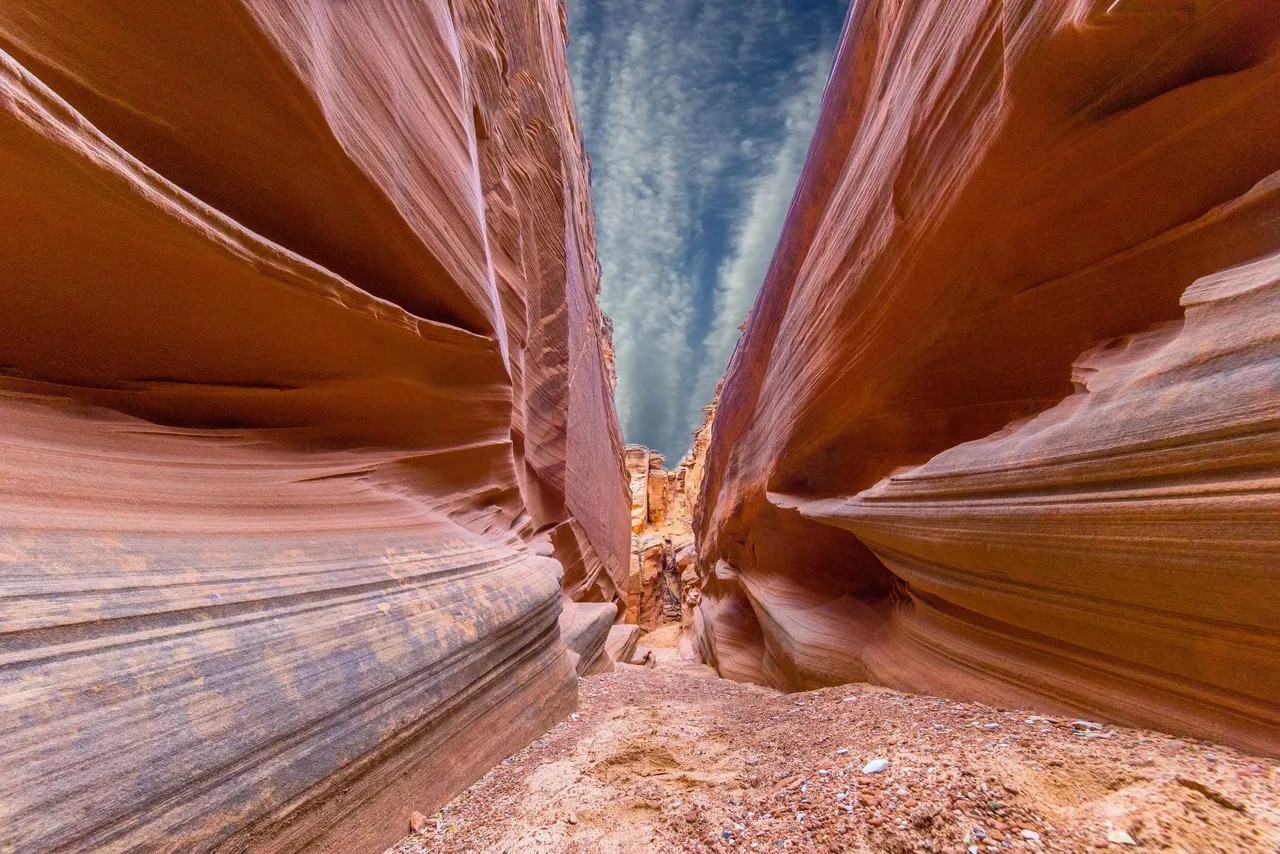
660 527
1005 421
663 583
306 421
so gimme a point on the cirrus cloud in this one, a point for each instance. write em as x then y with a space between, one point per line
697 116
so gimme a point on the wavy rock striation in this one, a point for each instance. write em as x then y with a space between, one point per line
306 427
993 190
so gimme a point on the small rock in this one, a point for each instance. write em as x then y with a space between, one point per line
572 818
417 822
1092 726
1030 835
1120 837
848 699
842 751
875 766
973 849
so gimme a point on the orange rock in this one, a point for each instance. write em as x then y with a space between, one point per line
991 193
289 433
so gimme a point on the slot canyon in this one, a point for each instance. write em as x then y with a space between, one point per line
319 531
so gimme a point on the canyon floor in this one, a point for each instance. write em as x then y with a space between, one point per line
675 759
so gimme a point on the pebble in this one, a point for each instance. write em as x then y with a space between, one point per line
1030 834
1092 726
875 766
417 822
991 726
842 751
1120 837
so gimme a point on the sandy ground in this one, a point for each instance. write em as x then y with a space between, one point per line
674 759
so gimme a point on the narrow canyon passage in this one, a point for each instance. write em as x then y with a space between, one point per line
674 759
318 523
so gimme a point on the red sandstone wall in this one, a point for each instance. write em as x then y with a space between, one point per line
301 385
994 189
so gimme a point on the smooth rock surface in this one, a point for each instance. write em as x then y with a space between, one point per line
305 415
993 190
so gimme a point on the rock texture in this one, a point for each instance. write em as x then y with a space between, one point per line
662 575
305 416
995 192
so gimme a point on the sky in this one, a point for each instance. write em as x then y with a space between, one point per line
697 115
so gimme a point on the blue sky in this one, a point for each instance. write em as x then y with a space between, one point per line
697 116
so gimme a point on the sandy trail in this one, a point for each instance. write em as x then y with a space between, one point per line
674 759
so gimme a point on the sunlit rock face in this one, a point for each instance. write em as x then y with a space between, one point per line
909 482
663 575
305 420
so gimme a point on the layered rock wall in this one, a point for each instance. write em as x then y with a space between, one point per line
661 519
909 482
306 423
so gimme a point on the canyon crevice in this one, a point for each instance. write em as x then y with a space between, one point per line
315 510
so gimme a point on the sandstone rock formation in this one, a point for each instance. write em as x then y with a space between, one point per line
585 629
662 574
302 388
995 189
689 471
647 592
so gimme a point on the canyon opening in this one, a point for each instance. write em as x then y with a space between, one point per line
919 489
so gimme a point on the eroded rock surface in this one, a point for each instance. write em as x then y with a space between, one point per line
305 416
663 577
995 189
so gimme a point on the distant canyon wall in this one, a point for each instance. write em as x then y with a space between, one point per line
1005 421
306 421
663 584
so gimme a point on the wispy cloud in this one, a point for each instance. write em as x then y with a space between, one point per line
697 115
767 197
